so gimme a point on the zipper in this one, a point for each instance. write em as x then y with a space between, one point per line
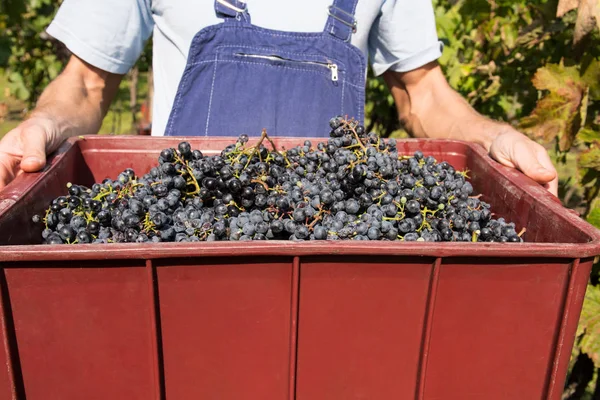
331 66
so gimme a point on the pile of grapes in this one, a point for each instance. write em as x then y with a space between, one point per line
355 186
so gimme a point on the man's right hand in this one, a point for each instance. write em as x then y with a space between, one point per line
73 104
24 148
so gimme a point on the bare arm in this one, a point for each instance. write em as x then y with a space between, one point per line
73 104
429 107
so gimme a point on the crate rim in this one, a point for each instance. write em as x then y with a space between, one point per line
141 251
27 181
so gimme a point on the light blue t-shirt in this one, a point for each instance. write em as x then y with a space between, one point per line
110 34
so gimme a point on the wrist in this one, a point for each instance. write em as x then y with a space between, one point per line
490 132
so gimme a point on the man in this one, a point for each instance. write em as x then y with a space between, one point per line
245 72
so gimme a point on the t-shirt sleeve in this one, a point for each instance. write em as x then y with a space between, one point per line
109 34
404 36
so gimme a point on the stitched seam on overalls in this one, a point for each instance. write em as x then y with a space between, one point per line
350 33
340 64
361 104
285 52
343 87
271 65
280 66
212 87
222 54
276 66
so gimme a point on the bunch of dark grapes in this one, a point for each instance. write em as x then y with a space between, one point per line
355 186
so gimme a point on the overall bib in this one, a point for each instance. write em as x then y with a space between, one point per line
240 78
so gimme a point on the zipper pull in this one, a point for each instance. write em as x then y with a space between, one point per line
334 71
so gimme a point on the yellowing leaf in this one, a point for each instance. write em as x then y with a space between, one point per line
553 77
590 159
509 36
588 135
591 77
589 325
558 114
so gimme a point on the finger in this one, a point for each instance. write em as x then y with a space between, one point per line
545 161
33 140
9 167
526 158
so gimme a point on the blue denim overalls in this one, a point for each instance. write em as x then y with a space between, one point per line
241 78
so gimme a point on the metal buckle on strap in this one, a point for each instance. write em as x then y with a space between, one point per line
350 24
231 6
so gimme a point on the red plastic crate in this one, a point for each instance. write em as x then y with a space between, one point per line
285 320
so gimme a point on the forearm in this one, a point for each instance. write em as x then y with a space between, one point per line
76 101
429 107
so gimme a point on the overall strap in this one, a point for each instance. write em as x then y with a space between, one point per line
341 22
235 9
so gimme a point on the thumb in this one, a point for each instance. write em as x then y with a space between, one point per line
33 141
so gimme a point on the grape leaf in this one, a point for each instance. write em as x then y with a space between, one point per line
559 113
553 77
587 176
590 159
594 219
591 77
589 324
588 135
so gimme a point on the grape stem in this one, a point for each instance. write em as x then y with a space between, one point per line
353 130
256 148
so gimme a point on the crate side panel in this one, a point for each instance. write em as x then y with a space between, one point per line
7 386
83 332
71 168
494 329
578 281
360 327
226 327
512 202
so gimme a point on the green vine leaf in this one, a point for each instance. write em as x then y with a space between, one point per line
588 135
594 219
591 78
559 113
590 159
589 324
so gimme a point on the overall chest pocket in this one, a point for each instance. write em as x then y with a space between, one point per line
289 94
286 62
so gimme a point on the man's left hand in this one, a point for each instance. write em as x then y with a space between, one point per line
516 150
429 107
